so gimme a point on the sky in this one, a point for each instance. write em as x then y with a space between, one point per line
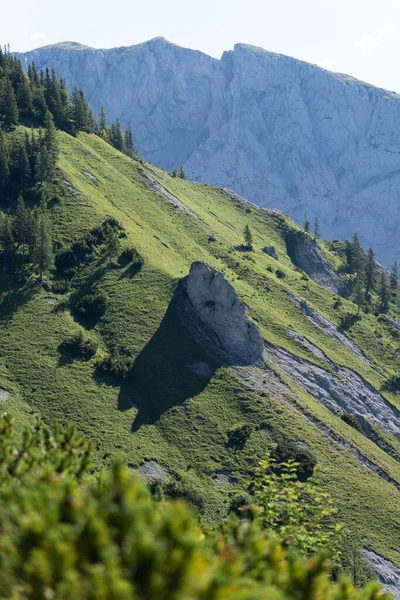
357 37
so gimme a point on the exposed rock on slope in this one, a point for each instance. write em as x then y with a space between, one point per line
210 308
306 254
387 573
326 326
340 390
281 132
161 191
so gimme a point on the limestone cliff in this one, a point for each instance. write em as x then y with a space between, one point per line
283 133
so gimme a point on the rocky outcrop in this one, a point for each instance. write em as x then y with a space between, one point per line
271 251
327 327
161 191
211 310
306 254
281 132
387 573
340 390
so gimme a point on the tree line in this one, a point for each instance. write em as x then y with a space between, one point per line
370 279
27 98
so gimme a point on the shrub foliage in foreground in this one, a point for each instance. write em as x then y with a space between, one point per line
66 534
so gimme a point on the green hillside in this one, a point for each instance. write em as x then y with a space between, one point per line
163 411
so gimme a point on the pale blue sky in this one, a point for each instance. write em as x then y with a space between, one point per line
352 36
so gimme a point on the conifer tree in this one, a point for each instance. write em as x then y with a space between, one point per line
8 103
182 173
43 252
394 276
370 273
128 143
248 238
307 224
384 293
117 136
4 168
359 293
102 120
7 242
317 229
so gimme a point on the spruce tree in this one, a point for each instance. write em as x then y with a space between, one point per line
384 293
117 136
8 103
359 293
128 143
317 229
43 251
102 120
307 224
182 173
370 272
4 167
7 242
248 238
394 276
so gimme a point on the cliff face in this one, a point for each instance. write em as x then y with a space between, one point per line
281 132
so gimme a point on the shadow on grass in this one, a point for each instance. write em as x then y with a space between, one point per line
12 297
160 377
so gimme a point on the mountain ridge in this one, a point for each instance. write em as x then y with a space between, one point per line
281 132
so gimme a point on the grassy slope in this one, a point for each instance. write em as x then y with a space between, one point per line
163 412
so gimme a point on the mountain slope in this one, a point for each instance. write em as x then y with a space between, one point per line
166 419
281 132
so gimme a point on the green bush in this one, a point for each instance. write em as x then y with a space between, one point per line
91 305
60 286
280 274
80 345
117 364
68 534
286 450
131 256
351 420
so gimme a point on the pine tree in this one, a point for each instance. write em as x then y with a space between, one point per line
4 167
174 173
355 255
359 293
307 224
43 252
394 276
182 173
117 136
102 120
384 293
248 238
128 143
370 273
7 242
48 153
8 103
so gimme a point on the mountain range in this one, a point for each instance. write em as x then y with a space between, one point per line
283 133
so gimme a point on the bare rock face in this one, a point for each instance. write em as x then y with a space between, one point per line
281 132
211 310
306 254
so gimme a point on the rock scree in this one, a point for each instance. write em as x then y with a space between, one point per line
209 307
387 573
306 254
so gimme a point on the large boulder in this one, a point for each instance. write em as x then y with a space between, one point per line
211 310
